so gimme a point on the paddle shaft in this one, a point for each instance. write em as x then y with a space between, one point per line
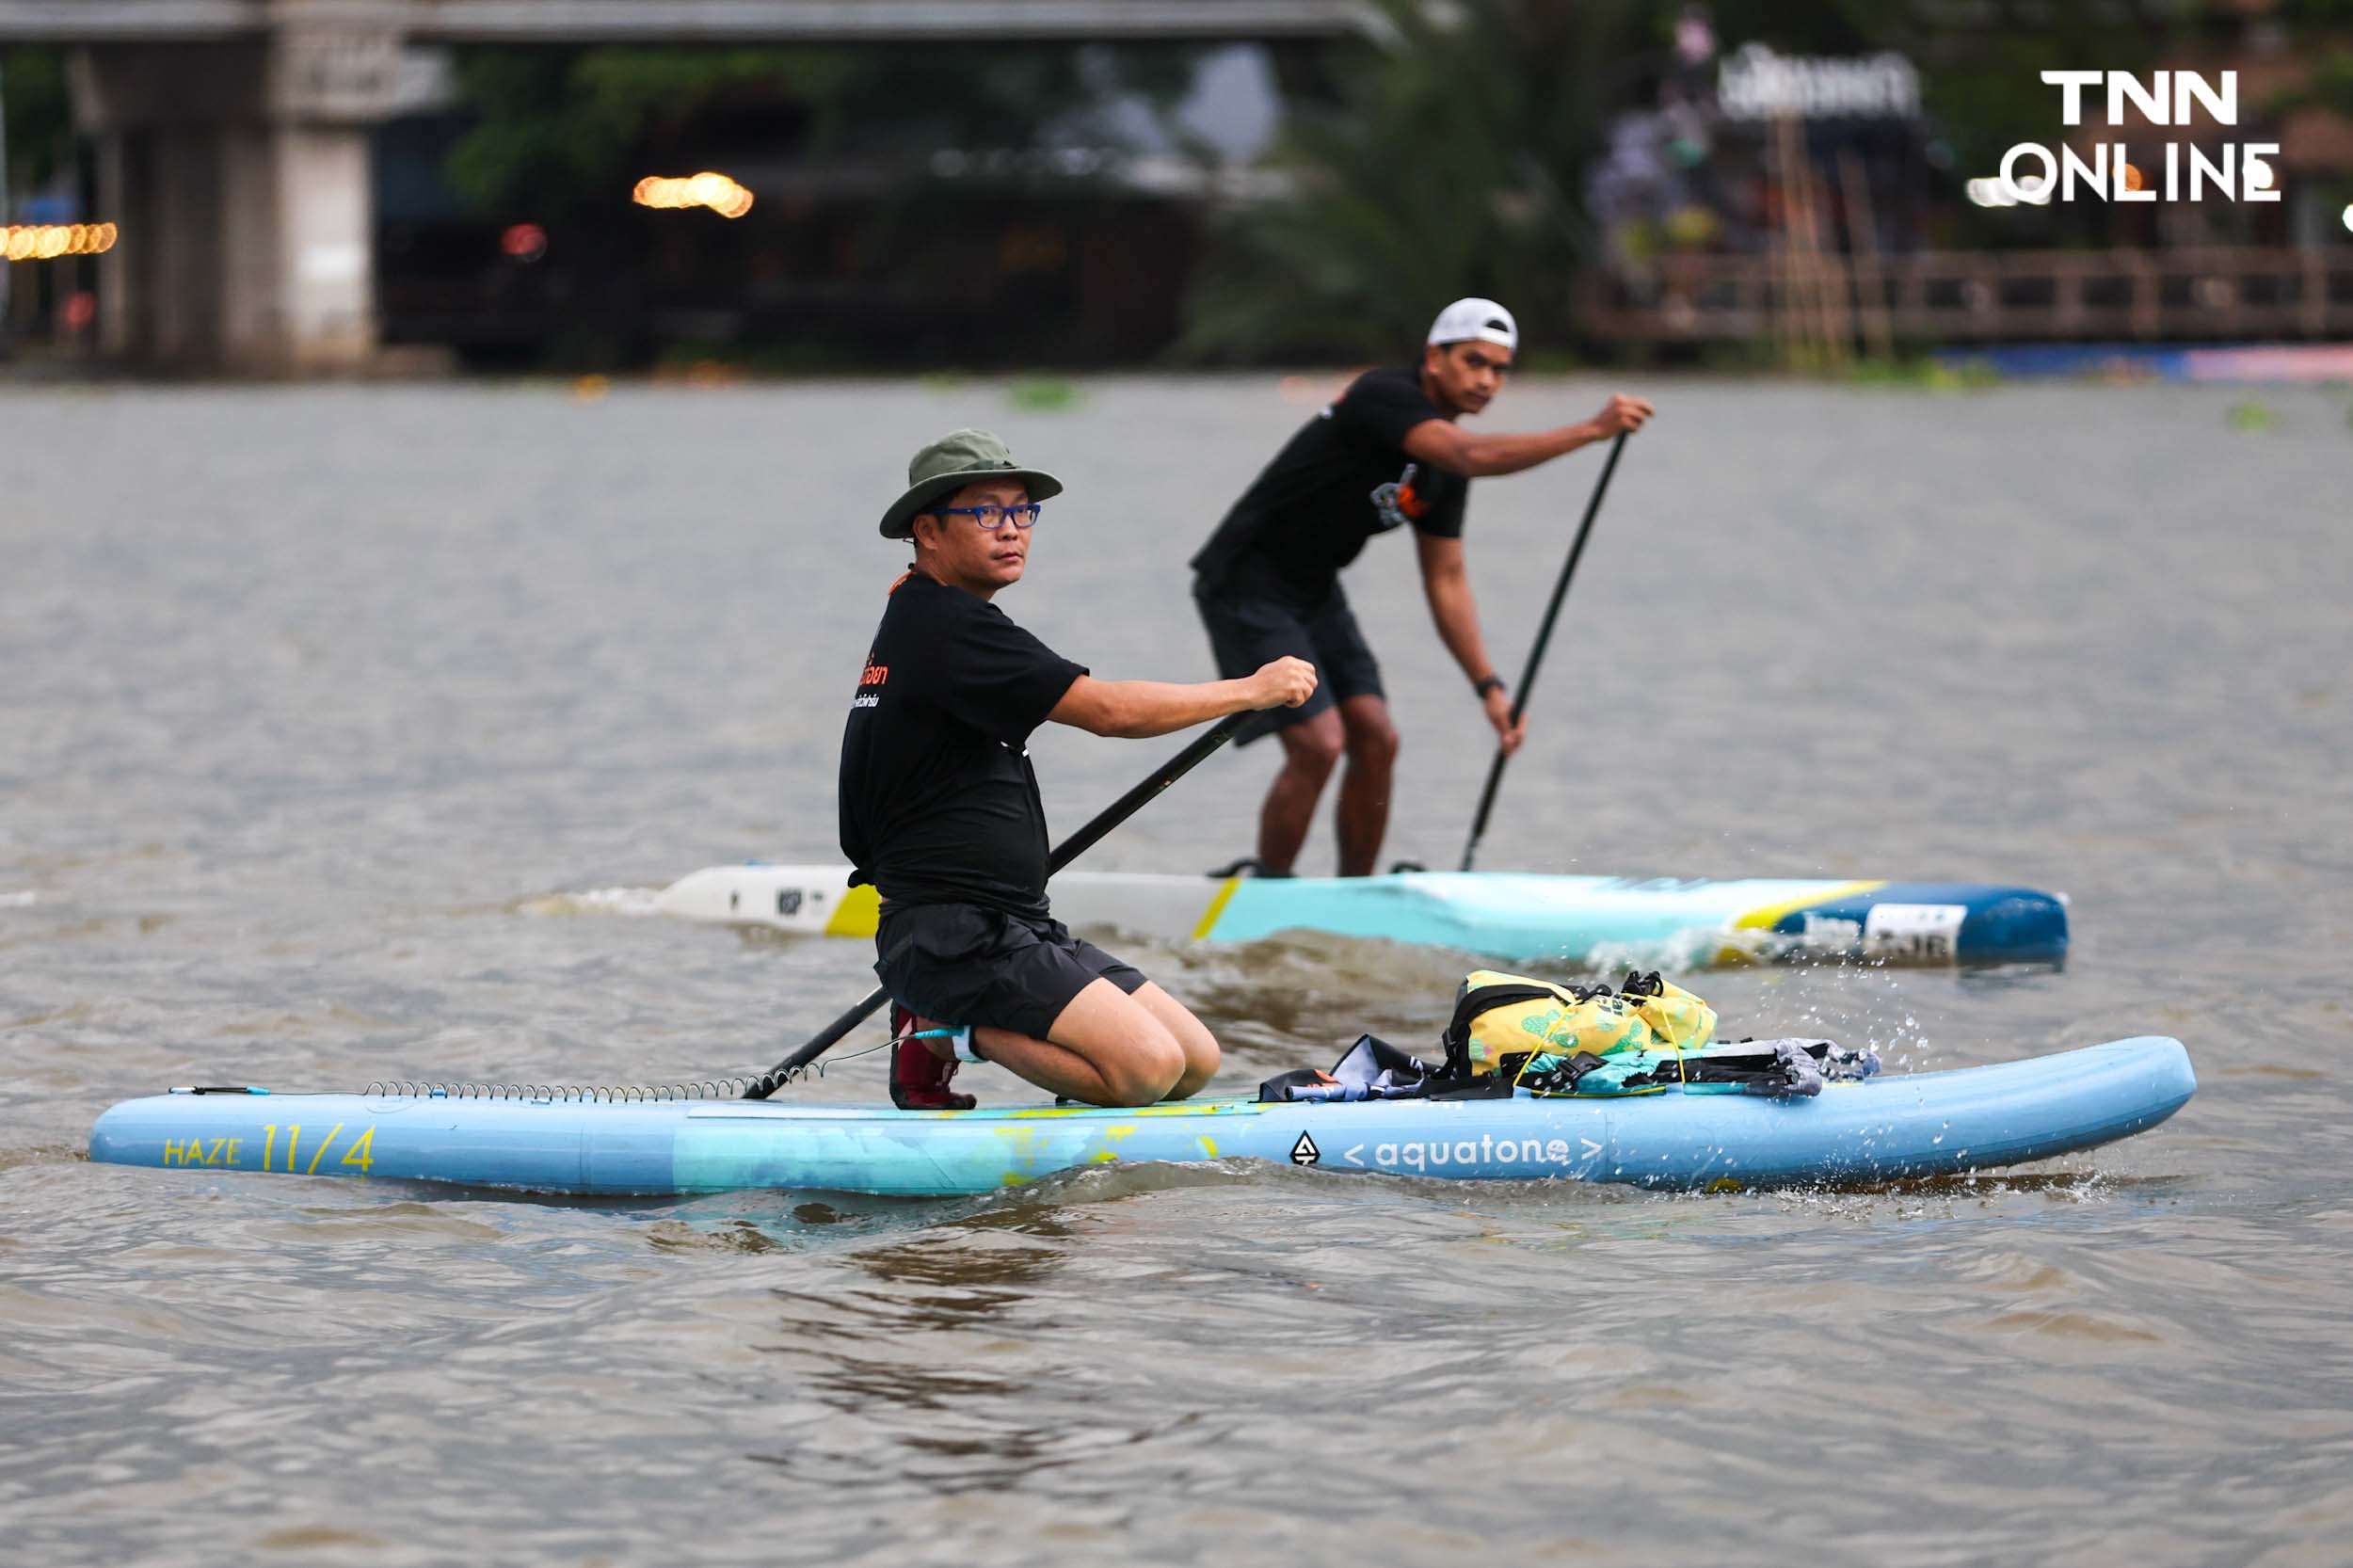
1068 849
1536 653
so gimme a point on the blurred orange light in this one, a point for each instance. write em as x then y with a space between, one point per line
715 191
2133 179
46 241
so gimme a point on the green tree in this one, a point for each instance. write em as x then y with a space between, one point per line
39 115
1453 153
1451 160
555 129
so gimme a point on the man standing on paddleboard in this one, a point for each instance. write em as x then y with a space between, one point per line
1386 455
940 808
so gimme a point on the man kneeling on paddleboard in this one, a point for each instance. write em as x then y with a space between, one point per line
940 809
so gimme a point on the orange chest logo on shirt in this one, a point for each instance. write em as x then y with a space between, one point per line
1399 504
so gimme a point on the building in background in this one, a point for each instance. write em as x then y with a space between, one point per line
974 182
1823 205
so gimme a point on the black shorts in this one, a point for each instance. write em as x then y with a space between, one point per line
1249 628
962 963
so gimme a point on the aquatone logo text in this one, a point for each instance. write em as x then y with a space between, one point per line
2184 171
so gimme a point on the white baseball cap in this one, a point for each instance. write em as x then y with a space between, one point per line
1476 321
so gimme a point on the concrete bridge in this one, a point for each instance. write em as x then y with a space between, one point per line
233 135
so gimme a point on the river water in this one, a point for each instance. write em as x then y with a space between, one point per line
330 719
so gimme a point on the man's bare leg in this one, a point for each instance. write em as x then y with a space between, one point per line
1310 749
1364 809
1191 1035
1106 1048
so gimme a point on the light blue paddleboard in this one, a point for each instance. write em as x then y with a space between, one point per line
1882 1128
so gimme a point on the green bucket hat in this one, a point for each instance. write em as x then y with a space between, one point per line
957 459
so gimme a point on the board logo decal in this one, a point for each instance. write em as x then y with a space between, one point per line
1304 1152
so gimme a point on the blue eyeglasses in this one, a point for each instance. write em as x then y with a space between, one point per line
990 519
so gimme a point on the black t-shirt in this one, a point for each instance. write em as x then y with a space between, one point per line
940 804
1344 477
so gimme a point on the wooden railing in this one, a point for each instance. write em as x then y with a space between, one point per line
1940 297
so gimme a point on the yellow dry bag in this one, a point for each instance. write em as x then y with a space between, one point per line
1499 1015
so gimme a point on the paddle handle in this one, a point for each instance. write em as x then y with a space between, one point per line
1536 652
1068 849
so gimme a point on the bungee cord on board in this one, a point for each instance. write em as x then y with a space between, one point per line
604 1094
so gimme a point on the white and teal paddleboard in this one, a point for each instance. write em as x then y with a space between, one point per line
1585 921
